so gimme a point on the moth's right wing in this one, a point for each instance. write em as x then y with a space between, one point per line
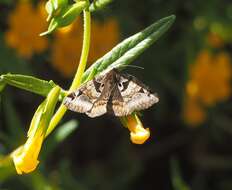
132 95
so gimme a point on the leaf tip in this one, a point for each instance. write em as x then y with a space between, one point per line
172 17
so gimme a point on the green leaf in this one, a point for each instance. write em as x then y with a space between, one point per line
59 136
29 83
98 5
129 49
65 130
177 180
2 84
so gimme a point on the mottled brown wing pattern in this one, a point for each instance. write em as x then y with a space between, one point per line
100 106
136 96
83 98
115 93
117 104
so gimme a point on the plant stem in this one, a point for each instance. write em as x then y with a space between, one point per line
80 70
85 51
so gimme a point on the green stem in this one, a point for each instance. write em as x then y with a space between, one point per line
80 70
85 51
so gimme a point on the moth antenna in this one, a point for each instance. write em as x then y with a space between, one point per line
132 66
119 67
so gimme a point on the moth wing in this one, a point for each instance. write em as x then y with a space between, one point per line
136 96
100 105
98 108
83 98
117 105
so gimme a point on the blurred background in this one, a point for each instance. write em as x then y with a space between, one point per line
189 67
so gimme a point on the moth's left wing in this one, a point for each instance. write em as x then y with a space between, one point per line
100 106
83 98
135 95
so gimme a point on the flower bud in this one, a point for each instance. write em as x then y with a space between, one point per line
66 17
53 7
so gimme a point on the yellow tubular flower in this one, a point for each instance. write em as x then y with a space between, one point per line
25 157
66 48
138 134
25 25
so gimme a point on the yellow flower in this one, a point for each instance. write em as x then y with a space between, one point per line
210 78
193 112
138 134
66 48
25 25
25 157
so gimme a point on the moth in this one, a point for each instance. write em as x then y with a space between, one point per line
114 93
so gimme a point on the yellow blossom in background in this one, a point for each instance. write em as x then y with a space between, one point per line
104 37
66 48
25 25
209 83
210 78
194 113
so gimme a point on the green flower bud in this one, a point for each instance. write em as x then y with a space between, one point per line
54 7
66 17
44 112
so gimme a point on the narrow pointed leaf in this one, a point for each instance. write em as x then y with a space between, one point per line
129 49
29 83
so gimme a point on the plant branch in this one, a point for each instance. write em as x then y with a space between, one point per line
80 70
